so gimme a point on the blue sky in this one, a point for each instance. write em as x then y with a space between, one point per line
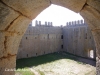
58 15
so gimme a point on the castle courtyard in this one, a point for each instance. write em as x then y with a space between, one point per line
58 63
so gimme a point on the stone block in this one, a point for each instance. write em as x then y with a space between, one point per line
74 5
94 3
7 15
9 44
98 65
6 64
12 44
29 8
20 25
91 16
96 35
2 38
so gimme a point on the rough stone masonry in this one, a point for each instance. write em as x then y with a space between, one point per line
15 16
75 38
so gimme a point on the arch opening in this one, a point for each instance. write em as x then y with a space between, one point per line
12 28
44 37
91 53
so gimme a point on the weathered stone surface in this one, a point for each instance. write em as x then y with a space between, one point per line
96 35
98 65
7 15
7 63
30 8
91 16
94 3
9 45
2 38
74 5
19 25
40 40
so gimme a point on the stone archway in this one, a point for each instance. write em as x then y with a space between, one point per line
15 15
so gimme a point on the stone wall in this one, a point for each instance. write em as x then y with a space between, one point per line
75 38
40 40
16 14
78 39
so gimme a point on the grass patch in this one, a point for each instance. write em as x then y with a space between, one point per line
34 61
41 73
24 72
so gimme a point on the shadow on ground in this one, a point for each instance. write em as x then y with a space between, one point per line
34 61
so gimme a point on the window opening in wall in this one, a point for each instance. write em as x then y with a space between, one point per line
27 55
86 36
48 36
61 36
36 53
91 53
26 37
35 37
90 37
61 46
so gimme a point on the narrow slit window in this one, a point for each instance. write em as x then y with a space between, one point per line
90 37
48 36
61 36
27 55
35 37
86 36
26 37
61 46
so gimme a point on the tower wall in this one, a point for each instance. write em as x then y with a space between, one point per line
78 39
75 38
40 40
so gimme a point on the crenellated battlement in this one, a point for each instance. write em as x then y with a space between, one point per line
68 24
71 38
76 23
46 24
